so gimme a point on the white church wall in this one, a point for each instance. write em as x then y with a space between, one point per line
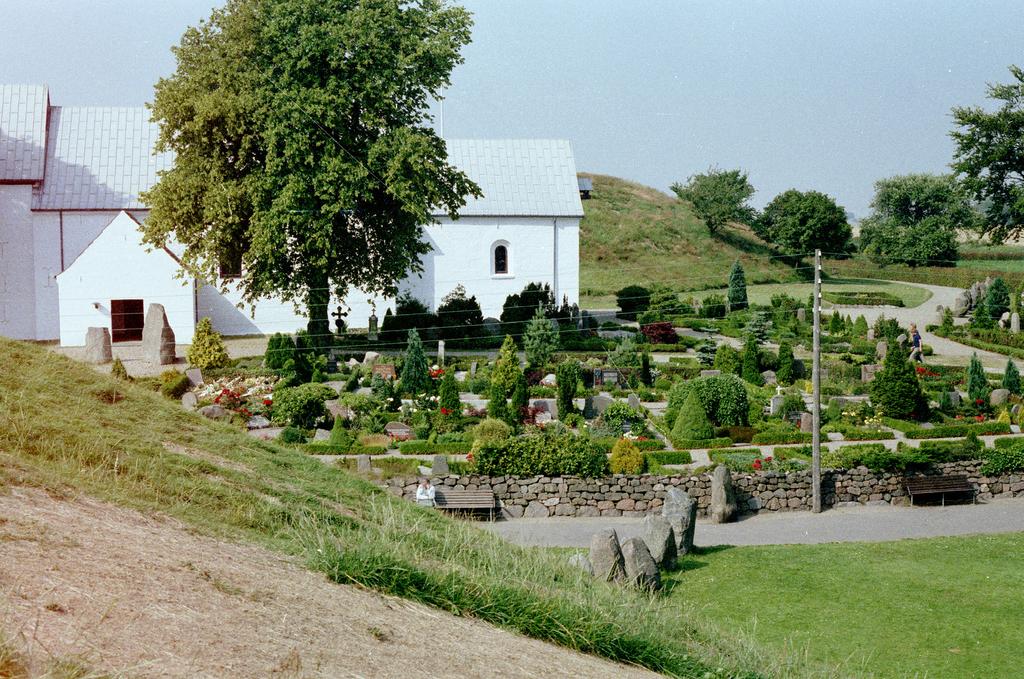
568 260
17 257
116 266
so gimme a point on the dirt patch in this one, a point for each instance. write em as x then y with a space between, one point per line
123 592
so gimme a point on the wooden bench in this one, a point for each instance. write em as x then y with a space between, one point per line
939 485
465 500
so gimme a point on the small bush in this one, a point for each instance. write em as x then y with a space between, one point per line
118 370
291 435
626 458
545 454
660 333
632 299
619 413
491 432
670 456
173 384
207 349
433 448
1004 460
302 406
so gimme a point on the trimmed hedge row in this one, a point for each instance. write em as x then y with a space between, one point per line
327 448
690 444
858 434
777 437
949 431
418 447
670 456
862 298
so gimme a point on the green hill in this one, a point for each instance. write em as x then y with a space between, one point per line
69 430
633 234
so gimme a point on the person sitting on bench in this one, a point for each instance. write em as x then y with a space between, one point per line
425 494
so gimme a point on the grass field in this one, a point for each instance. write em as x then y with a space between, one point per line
634 234
911 295
946 607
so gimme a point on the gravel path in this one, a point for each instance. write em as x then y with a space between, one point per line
843 524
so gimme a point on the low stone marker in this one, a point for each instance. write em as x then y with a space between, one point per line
195 377
157 337
385 370
97 346
215 412
998 397
581 562
363 463
681 512
633 400
440 352
710 373
189 401
867 372
1014 322
807 423
399 431
548 380
321 435
775 404
769 377
660 540
257 422
606 555
370 357
723 497
639 566
801 315
439 465
881 349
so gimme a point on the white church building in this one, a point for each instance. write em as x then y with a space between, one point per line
71 255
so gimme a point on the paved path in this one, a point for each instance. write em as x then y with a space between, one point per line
844 524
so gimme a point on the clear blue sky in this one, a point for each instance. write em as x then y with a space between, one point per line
800 93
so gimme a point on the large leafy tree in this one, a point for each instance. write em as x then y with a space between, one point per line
989 156
718 197
915 220
303 144
800 222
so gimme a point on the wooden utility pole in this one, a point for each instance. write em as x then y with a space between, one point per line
816 399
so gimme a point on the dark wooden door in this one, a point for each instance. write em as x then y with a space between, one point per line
126 320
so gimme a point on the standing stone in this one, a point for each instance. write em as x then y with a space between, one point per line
195 377
633 401
881 349
363 463
807 423
775 404
157 337
472 369
769 377
801 315
1004 320
321 435
998 397
723 497
97 346
641 571
681 513
1014 322
190 401
606 555
871 334
588 408
660 539
439 466
601 404
580 561
440 352
961 304
215 412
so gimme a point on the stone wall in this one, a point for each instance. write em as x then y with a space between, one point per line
540 496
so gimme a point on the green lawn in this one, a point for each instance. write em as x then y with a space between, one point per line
911 295
946 607
1010 265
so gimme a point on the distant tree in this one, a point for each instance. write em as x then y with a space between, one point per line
1011 377
989 157
737 287
303 145
718 197
915 220
785 372
459 316
415 375
977 382
997 299
632 299
409 313
751 368
540 340
799 222
520 307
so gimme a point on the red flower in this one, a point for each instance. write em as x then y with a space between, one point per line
979 418
978 401
436 373
767 458
446 411
268 402
959 417
756 465
469 456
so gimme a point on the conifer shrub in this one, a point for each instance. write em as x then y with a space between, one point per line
751 368
173 384
896 389
785 373
1011 377
977 382
567 377
415 376
997 298
737 287
860 326
692 421
520 400
497 406
119 371
448 396
279 349
626 458
207 349
632 300
540 340
727 360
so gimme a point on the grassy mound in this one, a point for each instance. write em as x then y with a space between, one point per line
633 234
66 428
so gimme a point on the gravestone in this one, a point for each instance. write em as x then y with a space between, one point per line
337 409
97 346
871 333
371 331
472 369
961 304
370 357
1014 322
998 397
775 404
660 539
639 566
215 412
440 352
610 377
542 418
601 403
954 398
710 373
363 463
321 435
195 377
385 370
582 562
881 349
868 371
257 422
723 497
439 465
548 380
157 337
589 411
189 400
606 555
806 423
769 377
801 315
633 401
352 362
681 512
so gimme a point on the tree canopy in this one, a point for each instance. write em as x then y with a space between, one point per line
989 157
303 146
800 222
718 197
915 220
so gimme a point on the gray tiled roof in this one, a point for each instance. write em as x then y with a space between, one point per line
22 132
519 177
99 159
